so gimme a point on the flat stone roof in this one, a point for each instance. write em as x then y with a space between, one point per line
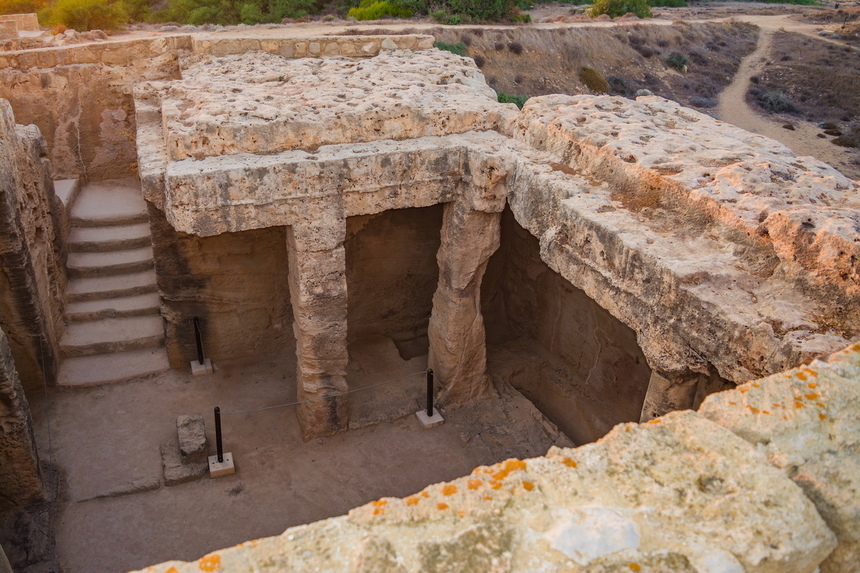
259 102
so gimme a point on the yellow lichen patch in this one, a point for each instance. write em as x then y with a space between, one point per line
810 371
778 406
733 403
654 421
765 412
856 347
798 404
449 489
801 375
528 485
821 416
756 386
812 385
171 570
495 484
412 500
744 390
442 506
754 410
819 404
813 396
488 498
425 494
474 483
461 513
379 502
635 567
378 511
211 562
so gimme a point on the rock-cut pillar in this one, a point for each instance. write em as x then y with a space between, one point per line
669 393
317 269
20 477
458 351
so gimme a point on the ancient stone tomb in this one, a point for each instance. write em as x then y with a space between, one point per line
614 260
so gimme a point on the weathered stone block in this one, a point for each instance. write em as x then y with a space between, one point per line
176 472
192 439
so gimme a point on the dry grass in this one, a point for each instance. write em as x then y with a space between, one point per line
819 78
629 57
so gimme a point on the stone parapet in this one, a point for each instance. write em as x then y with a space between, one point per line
742 485
313 47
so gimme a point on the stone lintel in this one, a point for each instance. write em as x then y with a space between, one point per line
319 299
458 352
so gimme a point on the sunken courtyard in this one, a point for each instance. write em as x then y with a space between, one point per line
643 324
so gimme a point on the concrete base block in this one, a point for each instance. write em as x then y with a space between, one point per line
225 468
429 421
198 369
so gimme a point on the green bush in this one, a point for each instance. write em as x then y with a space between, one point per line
519 100
615 8
678 61
374 10
459 48
775 101
593 81
667 3
441 10
228 12
21 6
84 15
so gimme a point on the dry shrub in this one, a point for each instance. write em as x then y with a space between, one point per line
592 79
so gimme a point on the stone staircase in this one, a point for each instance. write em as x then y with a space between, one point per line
114 329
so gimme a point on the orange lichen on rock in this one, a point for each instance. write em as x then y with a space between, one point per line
449 489
211 562
798 404
568 462
171 570
821 416
378 511
812 385
813 396
508 467
441 506
474 483
425 494
635 567
744 390
412 500
801 375
379 502
529 486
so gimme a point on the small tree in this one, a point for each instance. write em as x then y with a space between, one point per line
615 8
83 15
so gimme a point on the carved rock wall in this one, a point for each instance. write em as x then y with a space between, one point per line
32 267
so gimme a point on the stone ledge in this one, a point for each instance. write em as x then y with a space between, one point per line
652 497
321 46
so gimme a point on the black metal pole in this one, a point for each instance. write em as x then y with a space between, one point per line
199 339
429 393
218 443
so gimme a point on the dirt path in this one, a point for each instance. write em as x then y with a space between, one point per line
733 107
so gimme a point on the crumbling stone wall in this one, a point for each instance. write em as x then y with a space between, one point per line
80 98
32 267
20 474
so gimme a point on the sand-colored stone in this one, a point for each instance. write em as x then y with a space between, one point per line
680 494
806 421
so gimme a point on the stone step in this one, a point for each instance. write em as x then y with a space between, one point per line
110 202
99 264
67 190
112 335
110 238
107 368
96 288
137 305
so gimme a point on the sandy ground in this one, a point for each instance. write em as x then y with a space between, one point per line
803 140
107 437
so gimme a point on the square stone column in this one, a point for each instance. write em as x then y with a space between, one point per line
317 268
20 476
458 351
